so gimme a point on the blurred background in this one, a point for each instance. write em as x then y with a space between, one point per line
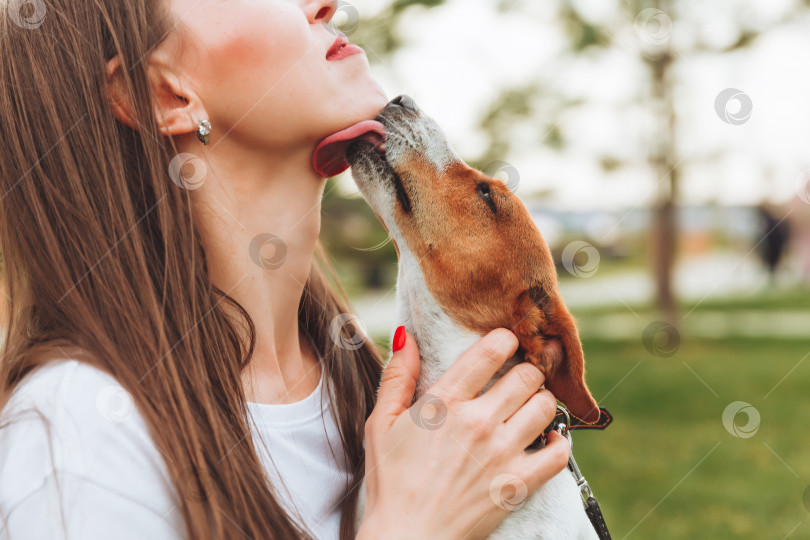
662 148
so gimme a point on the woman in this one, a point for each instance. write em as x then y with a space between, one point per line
159 359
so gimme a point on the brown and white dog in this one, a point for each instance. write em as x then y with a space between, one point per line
471 259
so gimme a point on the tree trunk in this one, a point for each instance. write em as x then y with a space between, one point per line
664 161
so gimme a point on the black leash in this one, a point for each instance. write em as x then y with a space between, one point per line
563 424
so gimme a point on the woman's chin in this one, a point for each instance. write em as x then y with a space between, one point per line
368 102
373 96
366 108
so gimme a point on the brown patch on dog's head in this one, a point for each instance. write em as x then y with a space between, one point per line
474 239
486 263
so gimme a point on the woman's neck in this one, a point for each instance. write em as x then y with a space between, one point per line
259 223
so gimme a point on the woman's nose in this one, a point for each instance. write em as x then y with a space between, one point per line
320 11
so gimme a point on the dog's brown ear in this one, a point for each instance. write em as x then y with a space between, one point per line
543 319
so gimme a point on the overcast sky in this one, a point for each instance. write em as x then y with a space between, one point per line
459 56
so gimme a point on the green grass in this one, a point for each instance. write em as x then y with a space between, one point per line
777 300
667 421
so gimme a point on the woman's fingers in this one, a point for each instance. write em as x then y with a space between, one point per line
542 465
468 375
398 383
532 418
411 455
511 391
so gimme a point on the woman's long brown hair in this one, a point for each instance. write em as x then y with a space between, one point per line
101 259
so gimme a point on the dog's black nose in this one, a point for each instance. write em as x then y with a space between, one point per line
406 103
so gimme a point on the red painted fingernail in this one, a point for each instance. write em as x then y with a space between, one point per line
399 338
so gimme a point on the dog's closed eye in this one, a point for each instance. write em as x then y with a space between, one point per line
485 193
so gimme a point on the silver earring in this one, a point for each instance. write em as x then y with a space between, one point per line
203 131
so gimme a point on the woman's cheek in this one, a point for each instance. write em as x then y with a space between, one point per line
260 44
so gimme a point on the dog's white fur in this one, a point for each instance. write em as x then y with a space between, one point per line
555 510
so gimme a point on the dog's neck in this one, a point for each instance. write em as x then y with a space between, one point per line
440 339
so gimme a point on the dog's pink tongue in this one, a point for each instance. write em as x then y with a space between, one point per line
329 157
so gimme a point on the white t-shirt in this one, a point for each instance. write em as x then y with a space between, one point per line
96 474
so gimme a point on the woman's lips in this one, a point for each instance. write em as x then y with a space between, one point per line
341 48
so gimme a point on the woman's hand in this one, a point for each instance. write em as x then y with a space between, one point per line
453 465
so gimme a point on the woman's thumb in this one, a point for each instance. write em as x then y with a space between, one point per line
399 377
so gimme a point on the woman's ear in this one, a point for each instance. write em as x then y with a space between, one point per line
175 109
117 93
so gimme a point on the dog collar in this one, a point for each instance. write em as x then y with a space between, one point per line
604 420
564 421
